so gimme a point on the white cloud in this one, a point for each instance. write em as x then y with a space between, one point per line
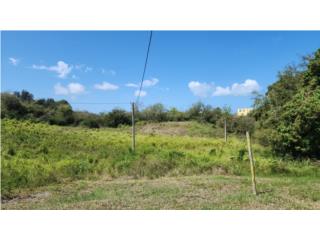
146 83
62 68
221 91
71 88
200 89
111 71
14 61
76 88
133 85
238 89
60 90
150 83
142 93
106 86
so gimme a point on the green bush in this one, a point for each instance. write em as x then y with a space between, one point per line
290 111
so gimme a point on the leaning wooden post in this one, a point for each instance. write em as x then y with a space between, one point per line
252 165
133 127
225 130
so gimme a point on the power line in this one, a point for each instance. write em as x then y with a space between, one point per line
144 69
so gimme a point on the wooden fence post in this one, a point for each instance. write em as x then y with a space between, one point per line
225 130
133 127
252 165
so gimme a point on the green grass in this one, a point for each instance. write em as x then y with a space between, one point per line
185 192
40 155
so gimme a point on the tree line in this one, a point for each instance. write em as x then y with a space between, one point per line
22 105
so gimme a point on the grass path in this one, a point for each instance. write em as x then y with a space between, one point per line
189 192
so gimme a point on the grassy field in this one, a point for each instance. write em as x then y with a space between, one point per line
175 166
186 192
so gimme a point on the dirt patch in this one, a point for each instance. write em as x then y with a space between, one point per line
29 197
168 128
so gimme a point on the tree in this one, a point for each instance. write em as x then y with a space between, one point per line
298 131
117 117
292 114
24 96
156 112
62 114
240 125
213 115
195 111
87 119
290 80
175 115
12 107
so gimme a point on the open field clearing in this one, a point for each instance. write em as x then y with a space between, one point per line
191 192
51 167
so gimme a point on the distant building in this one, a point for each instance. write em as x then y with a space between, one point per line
243 111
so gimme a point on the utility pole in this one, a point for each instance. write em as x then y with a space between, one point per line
133 127
252 165
225 129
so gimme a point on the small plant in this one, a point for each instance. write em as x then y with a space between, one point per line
241 154
11 151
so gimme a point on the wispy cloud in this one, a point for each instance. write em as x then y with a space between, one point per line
88 69
150 83
83 67
14 61
74 76
71 88
106 86
133 85
146 83
142 93
62 68
79 66
236 89
110 71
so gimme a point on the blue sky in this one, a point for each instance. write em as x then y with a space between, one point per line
220 68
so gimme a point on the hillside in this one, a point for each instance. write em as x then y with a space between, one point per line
61 162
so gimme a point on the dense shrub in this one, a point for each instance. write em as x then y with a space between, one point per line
290 111
11 107
156 113
240 125
298 131
117 117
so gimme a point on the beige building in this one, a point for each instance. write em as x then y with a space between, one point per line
243 111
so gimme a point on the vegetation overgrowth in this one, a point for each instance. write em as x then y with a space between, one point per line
38 154
289 112
287 117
